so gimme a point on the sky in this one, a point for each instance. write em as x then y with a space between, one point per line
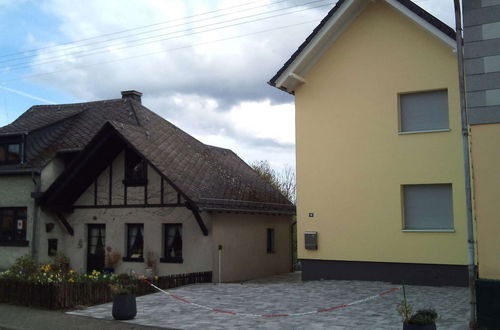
202 65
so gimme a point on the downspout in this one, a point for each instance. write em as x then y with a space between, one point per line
467 169
36 207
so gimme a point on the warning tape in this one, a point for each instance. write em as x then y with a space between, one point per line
322 310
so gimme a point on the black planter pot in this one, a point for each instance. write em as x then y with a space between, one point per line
124 307
407 326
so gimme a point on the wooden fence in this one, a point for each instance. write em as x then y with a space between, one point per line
69 295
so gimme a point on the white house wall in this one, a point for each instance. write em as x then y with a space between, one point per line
196 247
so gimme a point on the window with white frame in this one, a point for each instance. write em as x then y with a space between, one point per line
428 207
423 111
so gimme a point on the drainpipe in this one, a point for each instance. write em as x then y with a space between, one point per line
220 264
36 207
467 168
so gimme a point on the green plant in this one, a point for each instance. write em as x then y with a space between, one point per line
420 317
404 308
24 267
423 317
121 288
60 263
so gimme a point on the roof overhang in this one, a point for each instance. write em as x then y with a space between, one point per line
292 74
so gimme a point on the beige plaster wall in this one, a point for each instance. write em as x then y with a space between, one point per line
486 167
244 241
351 161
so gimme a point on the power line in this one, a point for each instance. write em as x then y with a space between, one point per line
163 51
75 43
95 51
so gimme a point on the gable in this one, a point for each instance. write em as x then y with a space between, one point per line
338 20
109 189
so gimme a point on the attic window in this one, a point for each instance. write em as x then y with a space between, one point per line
135 169
10 153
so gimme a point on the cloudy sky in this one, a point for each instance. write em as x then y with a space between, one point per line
201 64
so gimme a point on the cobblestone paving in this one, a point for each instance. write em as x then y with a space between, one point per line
286 294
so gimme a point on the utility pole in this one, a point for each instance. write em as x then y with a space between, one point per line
467 168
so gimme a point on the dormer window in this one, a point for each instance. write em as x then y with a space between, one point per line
10 152
135 169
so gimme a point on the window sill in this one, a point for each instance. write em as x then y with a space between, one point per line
14 243
428 230
425 131
172 260
128 259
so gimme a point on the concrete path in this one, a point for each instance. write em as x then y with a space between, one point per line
24 318
287 295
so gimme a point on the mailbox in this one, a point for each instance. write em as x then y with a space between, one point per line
311 240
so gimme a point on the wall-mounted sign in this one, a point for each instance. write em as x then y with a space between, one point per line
20 224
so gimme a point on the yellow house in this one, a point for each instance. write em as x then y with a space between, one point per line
380 179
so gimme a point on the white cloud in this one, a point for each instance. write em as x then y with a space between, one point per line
215 91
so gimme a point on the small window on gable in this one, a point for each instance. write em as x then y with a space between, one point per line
423 111
10 152
428 207
135 169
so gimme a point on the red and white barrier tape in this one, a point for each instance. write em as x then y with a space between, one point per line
322 310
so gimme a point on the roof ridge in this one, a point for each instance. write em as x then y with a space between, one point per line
416 9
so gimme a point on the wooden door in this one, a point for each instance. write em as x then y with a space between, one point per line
96 251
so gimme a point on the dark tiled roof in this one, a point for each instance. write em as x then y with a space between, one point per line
407 3
214 178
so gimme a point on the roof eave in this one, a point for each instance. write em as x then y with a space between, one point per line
291 75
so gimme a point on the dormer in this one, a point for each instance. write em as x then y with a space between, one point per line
12 149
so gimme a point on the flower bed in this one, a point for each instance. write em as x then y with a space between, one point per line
55 286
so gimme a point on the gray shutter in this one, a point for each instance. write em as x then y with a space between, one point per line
424 111
428 206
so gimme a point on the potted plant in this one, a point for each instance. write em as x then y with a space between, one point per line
124 305
112 260
422 319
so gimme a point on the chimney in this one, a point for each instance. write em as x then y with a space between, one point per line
134 95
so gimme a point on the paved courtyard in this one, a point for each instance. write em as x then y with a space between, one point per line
343 305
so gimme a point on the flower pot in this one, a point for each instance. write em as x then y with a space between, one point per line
408 326
124 307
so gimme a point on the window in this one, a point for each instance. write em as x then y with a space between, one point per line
135 169
10 153
13 226
270 240
52 247
428 207
135 242
425 111
172 233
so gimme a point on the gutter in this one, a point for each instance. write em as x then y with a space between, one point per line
467 168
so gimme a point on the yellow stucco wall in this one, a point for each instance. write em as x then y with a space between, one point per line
351 161
486 162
